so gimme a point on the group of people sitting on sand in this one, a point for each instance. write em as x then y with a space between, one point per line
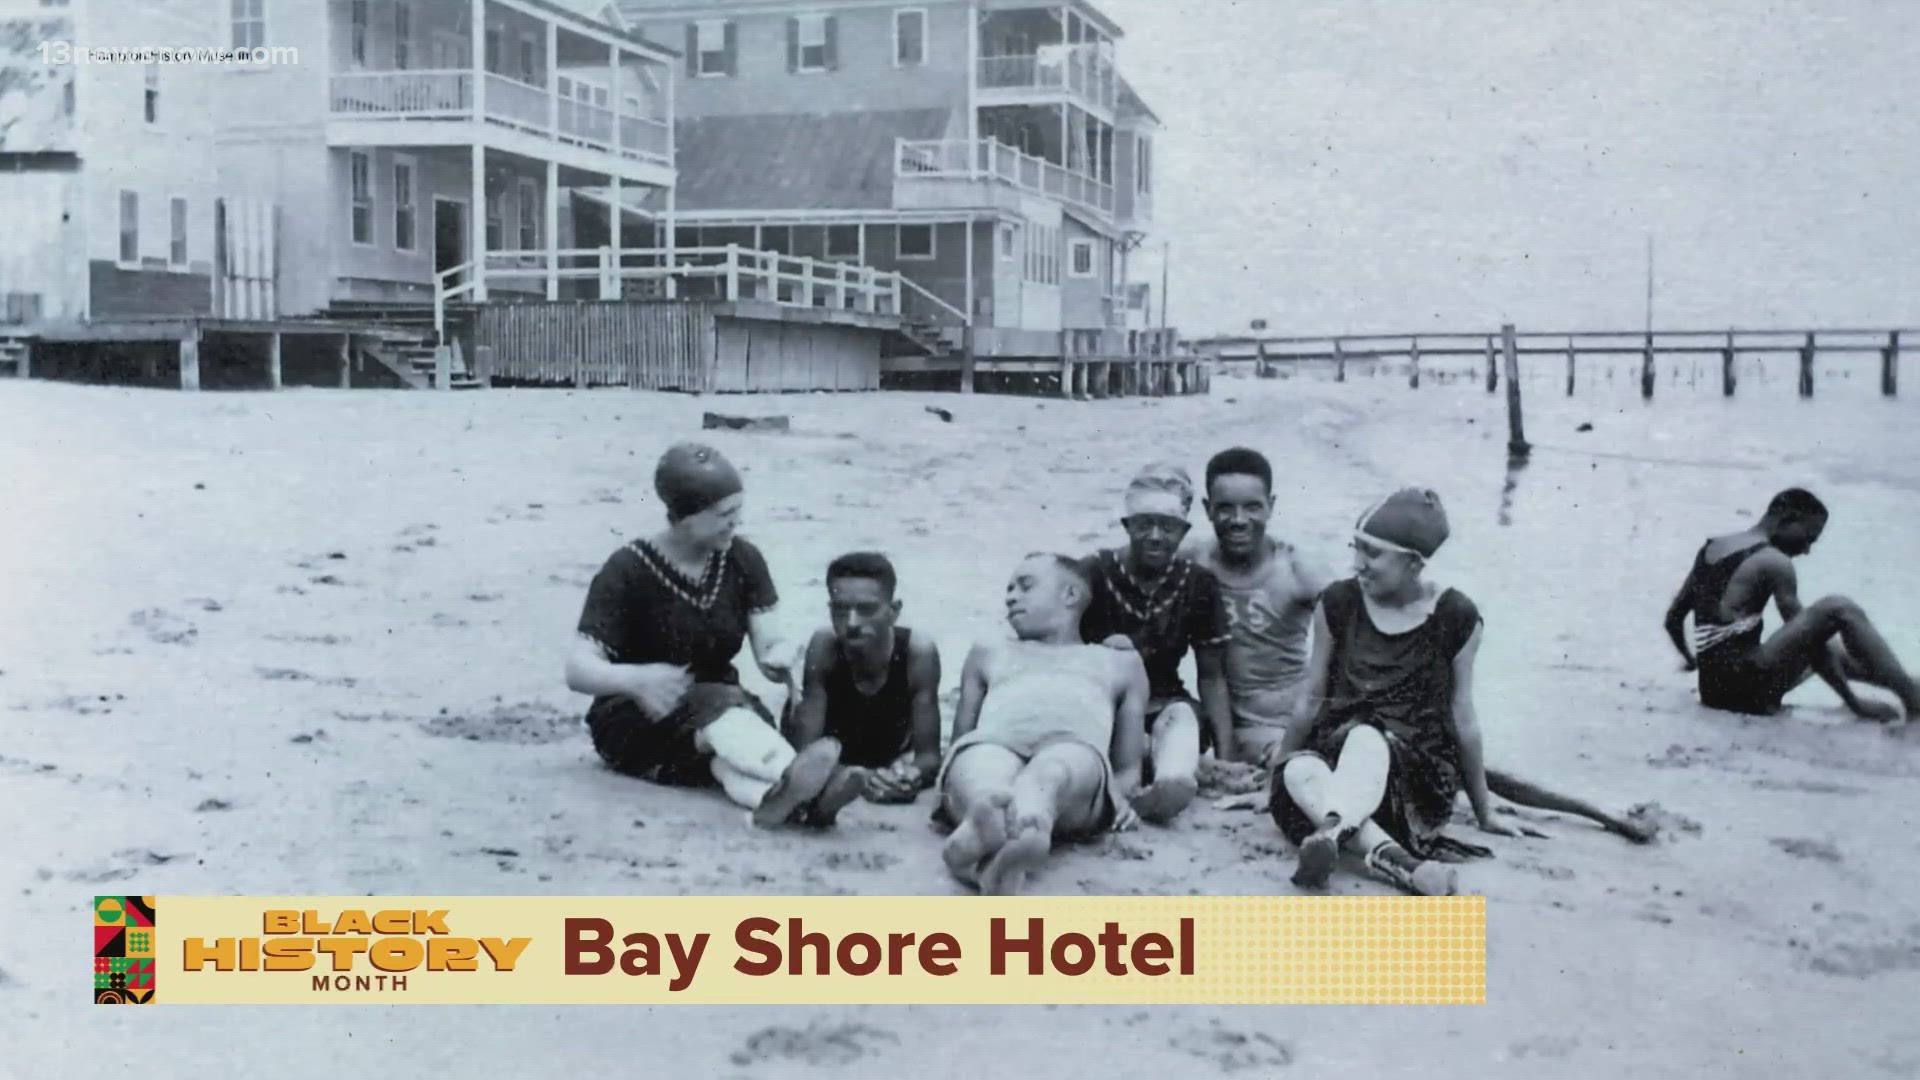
1356 694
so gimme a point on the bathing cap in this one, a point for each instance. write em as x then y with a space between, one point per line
692 477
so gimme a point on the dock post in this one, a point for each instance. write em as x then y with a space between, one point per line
190 359
1646 370
1413 365
273 362
1890 366
1260 364
1493 373
24 369
1517 448
1728 377
1806 367
1573 364
968 356
346 361
1339 362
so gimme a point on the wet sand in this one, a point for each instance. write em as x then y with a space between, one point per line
311 642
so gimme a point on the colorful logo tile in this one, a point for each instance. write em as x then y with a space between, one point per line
123 950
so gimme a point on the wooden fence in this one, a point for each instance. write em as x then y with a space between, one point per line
645 346
1271 351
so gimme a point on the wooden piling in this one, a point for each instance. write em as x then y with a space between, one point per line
1806 367
1890 366
346 361
1260 362
968 358
1572 365
1646 370
1339 362
1413 365
190 360
273 362
1493 373
1729 378
1517 447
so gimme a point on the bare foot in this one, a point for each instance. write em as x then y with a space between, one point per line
979 837
1637 830
847 784
806 776
1318 855
1164 800
1008 869
1879 712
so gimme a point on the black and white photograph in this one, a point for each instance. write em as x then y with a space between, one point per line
953 448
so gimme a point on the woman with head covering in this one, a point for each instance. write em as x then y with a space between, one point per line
663 620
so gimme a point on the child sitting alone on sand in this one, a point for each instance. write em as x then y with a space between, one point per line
1385 735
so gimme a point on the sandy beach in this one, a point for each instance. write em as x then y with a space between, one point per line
310 642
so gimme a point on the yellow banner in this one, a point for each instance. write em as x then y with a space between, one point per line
713 950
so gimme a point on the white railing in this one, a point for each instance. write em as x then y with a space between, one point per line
738 273
403 94
449 94
991 158
1082 70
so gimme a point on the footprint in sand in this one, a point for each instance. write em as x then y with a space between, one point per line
1665 822
1802 848
819 1045
163 627
520 724
856 860
1232 1051
1543 1046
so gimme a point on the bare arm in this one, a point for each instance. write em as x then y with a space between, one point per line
1313 685
589 671
770 649
923 673
973 690
1129 724
1466 731
1677 620
1215 701
810 719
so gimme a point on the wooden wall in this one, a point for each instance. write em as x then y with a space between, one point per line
752 356
646 346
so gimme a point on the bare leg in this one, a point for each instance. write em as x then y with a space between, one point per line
1802 643
978 794
1058 793
1341 799
1176 762
1515 790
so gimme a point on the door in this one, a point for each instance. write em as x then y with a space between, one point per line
449 236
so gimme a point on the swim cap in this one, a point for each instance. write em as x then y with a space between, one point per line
692 477
1409 520
1160 488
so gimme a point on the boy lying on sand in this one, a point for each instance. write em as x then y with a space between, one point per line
871 684
662 622
1047 735
1152 600
1386 735
1741 669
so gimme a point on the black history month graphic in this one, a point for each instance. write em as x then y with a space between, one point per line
123 950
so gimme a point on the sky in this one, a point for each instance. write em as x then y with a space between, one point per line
1353 166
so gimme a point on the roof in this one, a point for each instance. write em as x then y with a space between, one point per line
1132 105
786 161
593 13
674 9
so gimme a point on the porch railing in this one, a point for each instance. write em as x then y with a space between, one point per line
734 273
1082 70
449 94
993 159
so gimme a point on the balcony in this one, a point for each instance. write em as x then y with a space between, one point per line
994 161
439 108
1082 73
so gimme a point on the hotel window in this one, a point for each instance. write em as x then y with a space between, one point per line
843 241
914 242
153 93
177 233
1143 166
778 238
357 32
530 216
713 48
811 44
403 205
1082 264
129 228
909 37
402 36
249 23
493 48
496 220
360 184
529 69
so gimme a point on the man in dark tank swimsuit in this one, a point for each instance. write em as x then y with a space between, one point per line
871 684
1741 669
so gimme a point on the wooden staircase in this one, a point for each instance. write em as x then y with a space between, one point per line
416 360
927 336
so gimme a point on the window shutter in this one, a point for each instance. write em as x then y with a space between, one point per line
733 49
833 43
693 49
793 45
